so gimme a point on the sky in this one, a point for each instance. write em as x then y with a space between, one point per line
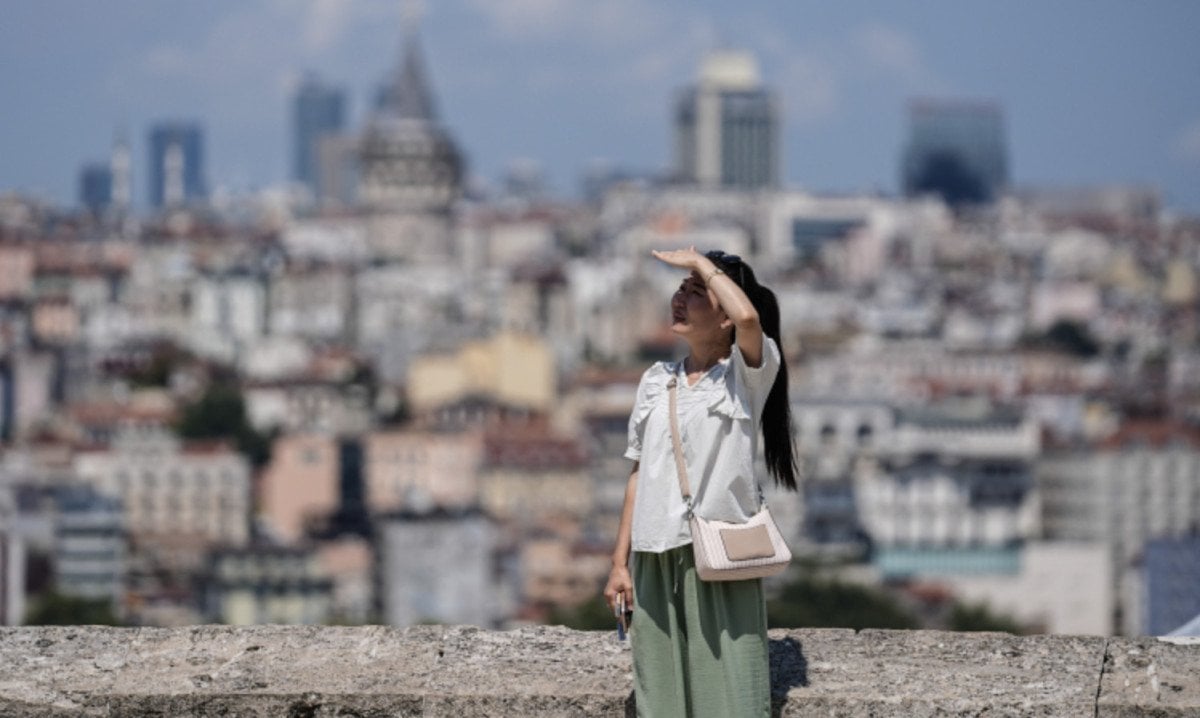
1094 92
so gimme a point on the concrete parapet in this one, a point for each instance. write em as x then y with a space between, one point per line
301 671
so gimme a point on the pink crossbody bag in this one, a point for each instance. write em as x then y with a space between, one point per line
728 551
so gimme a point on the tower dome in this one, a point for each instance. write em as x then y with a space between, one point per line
409 163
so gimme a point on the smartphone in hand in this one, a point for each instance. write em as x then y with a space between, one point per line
623 616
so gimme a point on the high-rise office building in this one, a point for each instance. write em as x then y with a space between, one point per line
121 164
96 187
104 187
318 111
727 126
176 164
90 545
955 149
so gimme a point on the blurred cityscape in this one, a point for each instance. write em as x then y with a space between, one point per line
382 395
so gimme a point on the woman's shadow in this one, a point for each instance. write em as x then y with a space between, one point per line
789 669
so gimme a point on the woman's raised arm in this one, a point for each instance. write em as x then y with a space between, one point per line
734 302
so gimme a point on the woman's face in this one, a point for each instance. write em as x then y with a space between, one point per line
695 311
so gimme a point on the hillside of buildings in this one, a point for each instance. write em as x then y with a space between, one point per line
389 398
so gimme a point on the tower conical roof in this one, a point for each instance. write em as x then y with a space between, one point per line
407 161
407 95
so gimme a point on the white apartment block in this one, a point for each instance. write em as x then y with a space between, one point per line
200 490
1063 587
228 313
1140 484
419 470
438 567
1122 495
944 476
955 476
312 304
865 227
917 370
89 552
905 370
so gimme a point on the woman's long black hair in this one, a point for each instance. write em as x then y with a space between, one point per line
778 449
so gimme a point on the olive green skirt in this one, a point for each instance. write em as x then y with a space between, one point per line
699 648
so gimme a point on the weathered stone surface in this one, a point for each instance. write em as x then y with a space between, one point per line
928 673
1147 677
311 671
462 672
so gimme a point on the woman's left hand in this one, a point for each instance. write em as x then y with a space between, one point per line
688 259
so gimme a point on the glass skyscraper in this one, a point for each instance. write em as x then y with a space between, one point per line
955 149
727 126
318 110
176 164
96 187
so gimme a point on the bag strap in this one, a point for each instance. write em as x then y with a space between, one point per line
680 465
677 445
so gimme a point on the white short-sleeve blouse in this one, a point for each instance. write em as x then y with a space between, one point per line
718 424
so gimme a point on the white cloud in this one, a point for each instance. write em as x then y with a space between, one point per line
890 49
633 53
885 50
1187 143
808 78
264 36
581 23
640 51
325 22
166 61
654 67
809 87
529 19
816 78
248 55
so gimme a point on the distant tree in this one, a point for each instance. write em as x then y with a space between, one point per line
978 617
1071 337
813 602
399 415
156 374
221 414
592 615
164 358
56 609
39 572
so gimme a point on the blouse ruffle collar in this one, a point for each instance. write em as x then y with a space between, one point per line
726 400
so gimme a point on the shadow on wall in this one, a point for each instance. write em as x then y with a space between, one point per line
789 669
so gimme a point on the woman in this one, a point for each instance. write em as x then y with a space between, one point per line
700 648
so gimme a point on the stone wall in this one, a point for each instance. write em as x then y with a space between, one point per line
300 671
